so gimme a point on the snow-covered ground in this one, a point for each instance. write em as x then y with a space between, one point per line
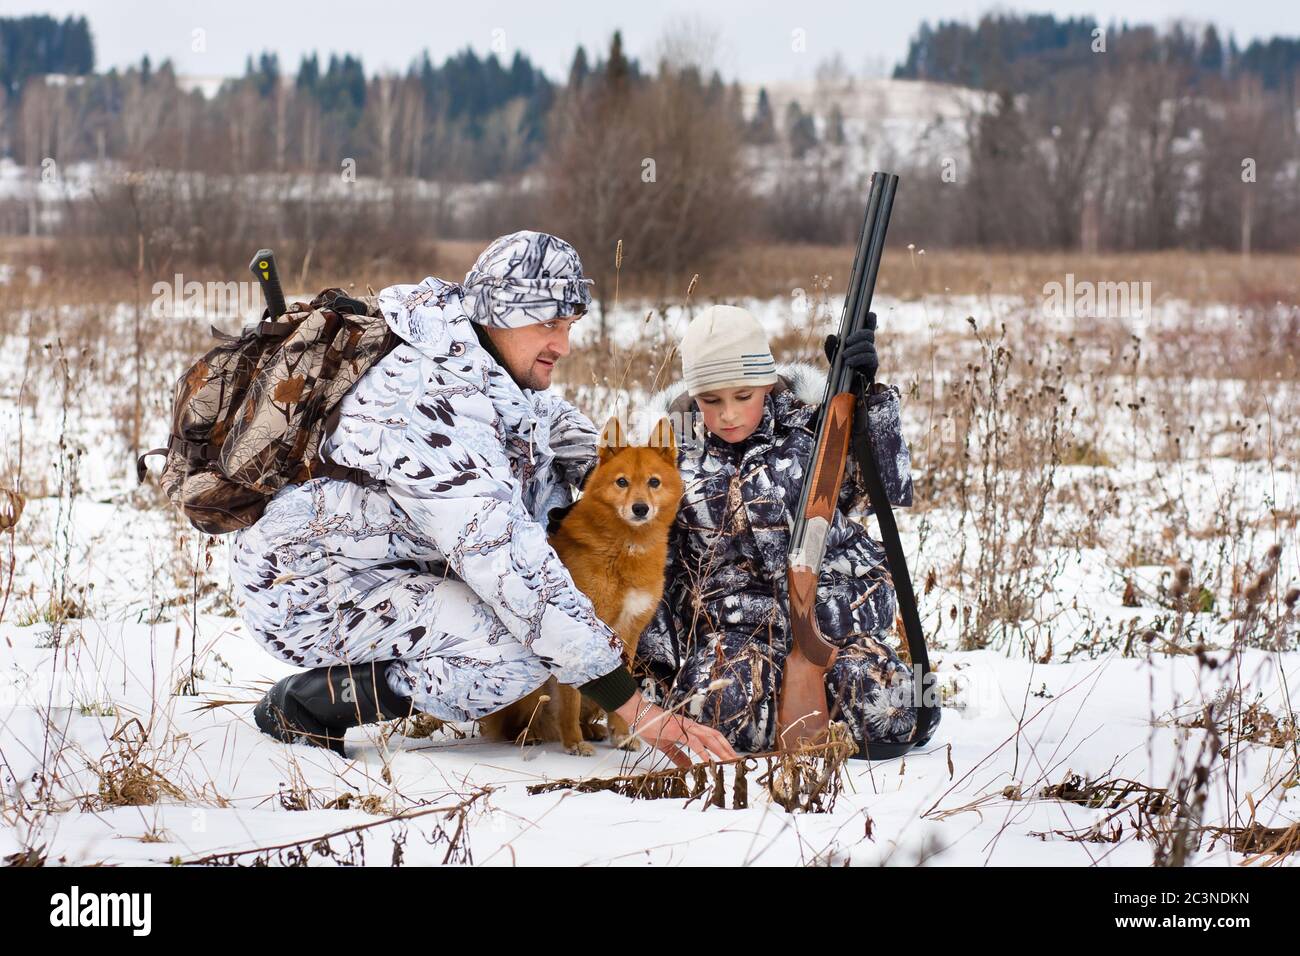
106 755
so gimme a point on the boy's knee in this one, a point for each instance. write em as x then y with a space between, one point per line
726 706
874 693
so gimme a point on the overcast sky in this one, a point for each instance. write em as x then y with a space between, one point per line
754 38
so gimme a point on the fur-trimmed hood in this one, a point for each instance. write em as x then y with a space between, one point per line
808 382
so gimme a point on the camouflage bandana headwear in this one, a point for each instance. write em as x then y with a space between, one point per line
525 278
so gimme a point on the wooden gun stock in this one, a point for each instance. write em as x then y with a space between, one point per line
826 477
802 713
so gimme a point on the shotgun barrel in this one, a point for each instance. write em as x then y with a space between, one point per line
802 713
820 494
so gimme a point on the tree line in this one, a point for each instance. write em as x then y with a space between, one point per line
469 118
1153 143
33 46
1006 51
1127 138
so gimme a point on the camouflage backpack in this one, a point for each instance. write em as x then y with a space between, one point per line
249 417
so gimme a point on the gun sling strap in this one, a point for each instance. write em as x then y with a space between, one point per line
927 715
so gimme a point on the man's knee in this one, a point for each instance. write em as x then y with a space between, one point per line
513 688
464 689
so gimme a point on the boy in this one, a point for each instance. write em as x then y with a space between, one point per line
725 612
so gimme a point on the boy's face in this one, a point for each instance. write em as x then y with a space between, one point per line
732 413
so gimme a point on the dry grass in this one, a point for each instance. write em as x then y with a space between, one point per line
775 269
128 776
807 780
767 270
1022 432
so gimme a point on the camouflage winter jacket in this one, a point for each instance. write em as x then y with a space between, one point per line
466 467
727 548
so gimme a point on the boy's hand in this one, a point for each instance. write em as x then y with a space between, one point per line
859 349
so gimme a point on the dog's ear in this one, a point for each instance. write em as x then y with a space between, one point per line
612 439
663 440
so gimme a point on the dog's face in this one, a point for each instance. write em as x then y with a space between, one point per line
638 483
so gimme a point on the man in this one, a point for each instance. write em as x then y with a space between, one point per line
434 589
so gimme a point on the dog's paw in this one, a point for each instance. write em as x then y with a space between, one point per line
594 732
628 743
581 749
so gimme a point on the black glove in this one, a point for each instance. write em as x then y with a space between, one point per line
859 349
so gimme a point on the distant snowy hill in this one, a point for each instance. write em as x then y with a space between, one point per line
886 122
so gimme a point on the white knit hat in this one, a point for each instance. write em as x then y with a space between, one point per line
725 347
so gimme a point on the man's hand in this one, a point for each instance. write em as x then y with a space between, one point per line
674 735
859 349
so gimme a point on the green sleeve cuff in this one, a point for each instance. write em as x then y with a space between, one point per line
613 690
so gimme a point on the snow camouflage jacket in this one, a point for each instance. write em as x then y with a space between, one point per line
726 578
470 465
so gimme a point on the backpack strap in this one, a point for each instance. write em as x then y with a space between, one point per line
328 469
193 451
141 469
199 452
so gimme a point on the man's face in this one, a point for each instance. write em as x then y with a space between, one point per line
531 351
732 413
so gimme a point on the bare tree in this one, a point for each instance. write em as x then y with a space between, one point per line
411 124
144 106
1069 116
1004 191
689 42
1242 182
655 164
282 98
385 113
309 140
1158 114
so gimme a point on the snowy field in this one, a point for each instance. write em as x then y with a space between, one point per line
1106 539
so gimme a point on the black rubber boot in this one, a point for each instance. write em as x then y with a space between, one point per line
318 706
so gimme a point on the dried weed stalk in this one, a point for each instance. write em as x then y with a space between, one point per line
807 780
